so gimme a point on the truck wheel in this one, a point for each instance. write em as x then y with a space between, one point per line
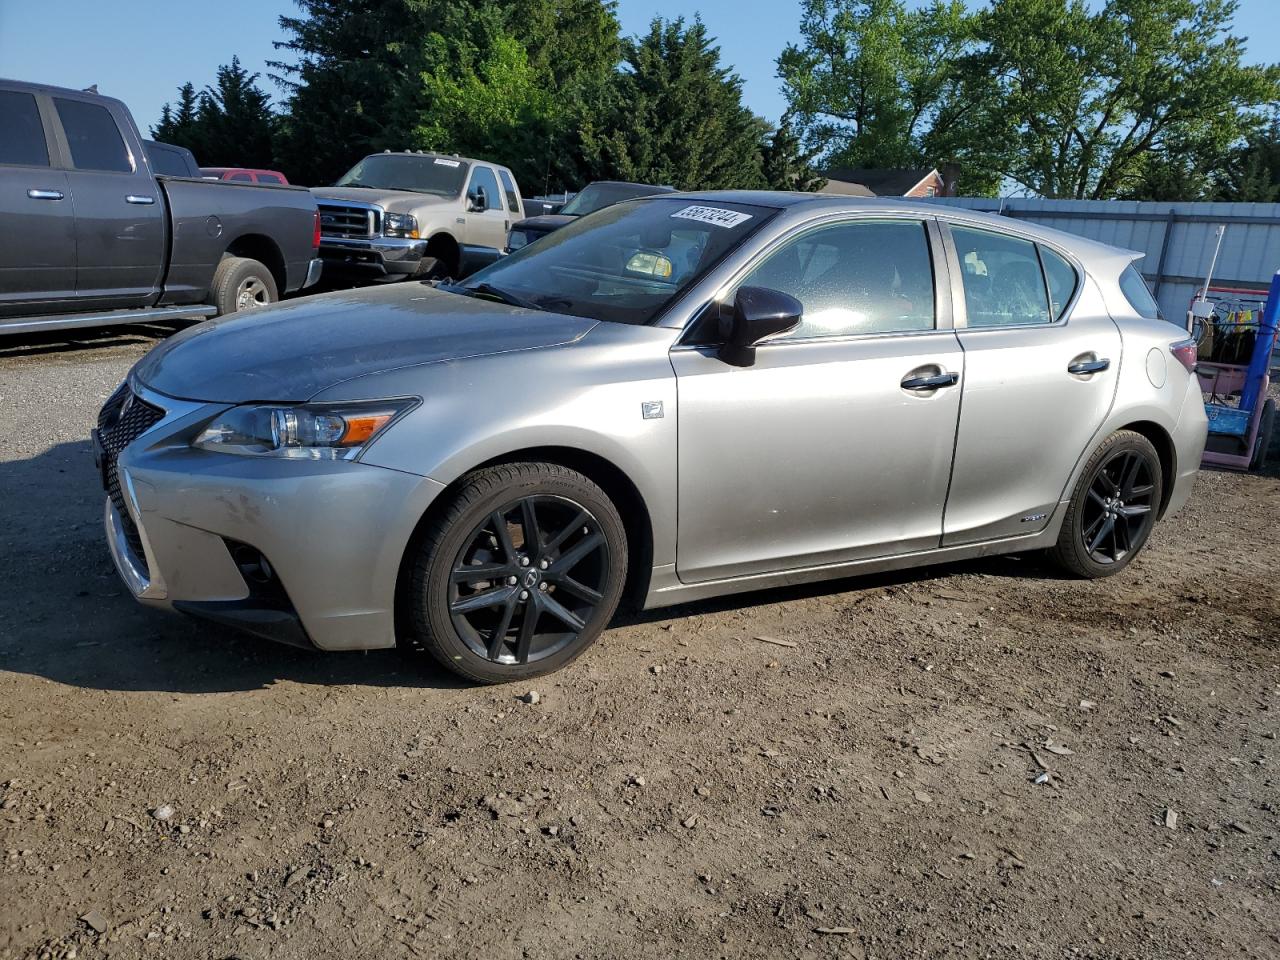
435 268
240 283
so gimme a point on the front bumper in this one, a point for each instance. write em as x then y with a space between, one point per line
378 255
334 533
314 269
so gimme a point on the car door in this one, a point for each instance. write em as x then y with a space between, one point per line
829 448
486 224
38 241
120 215
1042 357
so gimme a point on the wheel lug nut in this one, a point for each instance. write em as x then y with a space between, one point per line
511 581
524 594
544 564
524 561
543 586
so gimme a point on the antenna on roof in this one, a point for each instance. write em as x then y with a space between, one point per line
93 88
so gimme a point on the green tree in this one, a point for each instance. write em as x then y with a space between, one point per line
179 125
236 123
1253 175
785 162
679 117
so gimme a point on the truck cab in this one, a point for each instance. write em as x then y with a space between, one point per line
395 216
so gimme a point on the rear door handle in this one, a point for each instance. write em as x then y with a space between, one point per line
139 198
45 194
932 382
1084 367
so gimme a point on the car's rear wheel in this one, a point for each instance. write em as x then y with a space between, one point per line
519 574
1113 508
241 283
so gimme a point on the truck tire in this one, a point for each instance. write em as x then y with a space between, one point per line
435 268
240 283
1266 428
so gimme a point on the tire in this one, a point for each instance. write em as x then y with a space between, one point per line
1112 511
240 283
434 268
1266 429
461 582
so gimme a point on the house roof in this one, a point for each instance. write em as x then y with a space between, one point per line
867 182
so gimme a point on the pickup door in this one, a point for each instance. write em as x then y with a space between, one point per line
38 241
121 229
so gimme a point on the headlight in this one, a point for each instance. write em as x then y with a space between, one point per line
517 239
311 432
400 225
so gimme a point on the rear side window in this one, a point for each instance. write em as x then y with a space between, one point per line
1003 283
269 178
241 178
1135 290
1062 281
509 187
93 136
23 140
167 163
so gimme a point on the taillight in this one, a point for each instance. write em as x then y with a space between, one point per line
315 233
1186 351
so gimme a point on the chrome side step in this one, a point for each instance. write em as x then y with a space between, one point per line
108 318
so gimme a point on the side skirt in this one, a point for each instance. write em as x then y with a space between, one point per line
665 587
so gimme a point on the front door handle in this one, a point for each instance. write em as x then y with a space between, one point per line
1081 368
45 194
932 382
139 198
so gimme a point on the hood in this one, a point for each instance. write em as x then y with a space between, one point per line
545 223
292 351
394 201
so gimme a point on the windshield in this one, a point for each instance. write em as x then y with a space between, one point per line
624 263
440 176
597 196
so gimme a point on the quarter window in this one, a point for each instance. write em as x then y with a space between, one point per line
856 278
509 187
23 140
1062 281
1003 283
1138 294
93 136
483 177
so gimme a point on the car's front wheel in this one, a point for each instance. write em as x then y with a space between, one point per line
518 574
1113 507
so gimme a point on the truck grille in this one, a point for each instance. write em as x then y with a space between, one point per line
347 221
124 417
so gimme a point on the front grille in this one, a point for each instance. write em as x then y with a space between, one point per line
124 417
347 222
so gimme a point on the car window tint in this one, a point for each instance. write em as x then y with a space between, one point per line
269 178
483 177
241 177
509 187
855 278
166 162
1062 280
1003 283
23 140
1138 294
93 136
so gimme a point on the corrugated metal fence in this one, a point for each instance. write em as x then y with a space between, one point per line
1177 238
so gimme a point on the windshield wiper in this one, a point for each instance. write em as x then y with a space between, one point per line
504 296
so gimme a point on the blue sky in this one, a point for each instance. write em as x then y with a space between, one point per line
142 50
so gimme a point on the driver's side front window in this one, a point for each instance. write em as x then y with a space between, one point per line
855 278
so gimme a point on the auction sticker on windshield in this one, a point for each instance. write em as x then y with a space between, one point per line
447 163
717 216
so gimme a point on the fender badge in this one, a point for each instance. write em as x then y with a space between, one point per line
651 409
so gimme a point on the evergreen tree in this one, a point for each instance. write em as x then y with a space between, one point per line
179 126
1253 175
237 125
786 164
679 117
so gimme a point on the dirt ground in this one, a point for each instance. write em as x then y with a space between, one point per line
870 789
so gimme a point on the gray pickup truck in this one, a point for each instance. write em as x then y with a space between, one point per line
91 236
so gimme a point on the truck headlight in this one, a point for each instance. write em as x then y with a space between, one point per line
305 431
517 239
400 225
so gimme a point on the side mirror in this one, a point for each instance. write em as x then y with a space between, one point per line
756 313
477 201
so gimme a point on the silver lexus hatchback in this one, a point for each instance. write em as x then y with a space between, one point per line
672 398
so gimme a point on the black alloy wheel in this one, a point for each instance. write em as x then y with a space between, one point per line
1118 512
1113 508
518 572
528 579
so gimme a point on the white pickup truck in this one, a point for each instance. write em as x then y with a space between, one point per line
394 216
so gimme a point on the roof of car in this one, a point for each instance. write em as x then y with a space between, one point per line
440 156
783 200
